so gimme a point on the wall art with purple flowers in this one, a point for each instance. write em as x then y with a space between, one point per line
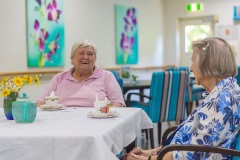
126 35
45 33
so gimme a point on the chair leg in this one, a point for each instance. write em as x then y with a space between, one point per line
130 146
159 132
151 138
197 102
189 108
146 132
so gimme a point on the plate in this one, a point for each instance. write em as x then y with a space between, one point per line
52 108
110 114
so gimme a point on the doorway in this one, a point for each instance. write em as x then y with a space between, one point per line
192 29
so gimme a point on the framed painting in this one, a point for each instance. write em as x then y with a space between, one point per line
126 35
227 32
45 33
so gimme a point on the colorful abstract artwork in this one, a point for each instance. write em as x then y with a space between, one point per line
45 33
126 35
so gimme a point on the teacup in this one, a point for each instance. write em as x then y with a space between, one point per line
51 101
101 106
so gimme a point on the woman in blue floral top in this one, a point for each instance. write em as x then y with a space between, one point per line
216 121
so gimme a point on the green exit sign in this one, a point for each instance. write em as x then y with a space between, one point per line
194 7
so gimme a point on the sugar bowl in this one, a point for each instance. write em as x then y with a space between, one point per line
24 110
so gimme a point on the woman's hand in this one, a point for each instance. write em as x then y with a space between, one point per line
39 103
132 156
115 104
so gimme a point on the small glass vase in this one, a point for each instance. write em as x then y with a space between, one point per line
7 105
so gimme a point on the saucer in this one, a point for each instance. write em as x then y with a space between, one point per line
110 114
52 108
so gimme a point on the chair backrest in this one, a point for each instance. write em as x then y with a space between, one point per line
167 92
237 148
238 76
114 73
120 82
189 81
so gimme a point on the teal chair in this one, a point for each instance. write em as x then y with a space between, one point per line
166 99
119 79
193 94
238 76
179 147
120 82
114 73
238 149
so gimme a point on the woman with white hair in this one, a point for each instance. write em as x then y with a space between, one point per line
216 121
79 85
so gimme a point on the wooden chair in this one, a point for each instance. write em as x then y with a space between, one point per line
234 152
166 101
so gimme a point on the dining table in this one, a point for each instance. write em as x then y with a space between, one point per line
140 85
71 133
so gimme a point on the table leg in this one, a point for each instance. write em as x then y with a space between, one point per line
141 92
131 146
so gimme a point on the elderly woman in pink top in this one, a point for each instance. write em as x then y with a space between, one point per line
79 85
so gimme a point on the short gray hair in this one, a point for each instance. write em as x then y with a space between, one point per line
83 43
215 57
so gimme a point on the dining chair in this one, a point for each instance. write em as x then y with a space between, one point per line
166 101
114 73
238 76
213 149
120 82
193 94
119 79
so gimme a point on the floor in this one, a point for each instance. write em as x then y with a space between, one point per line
144 143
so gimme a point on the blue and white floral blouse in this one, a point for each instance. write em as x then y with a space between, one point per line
215 122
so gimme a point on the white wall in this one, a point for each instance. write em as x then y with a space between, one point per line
176 9
94 20
84 19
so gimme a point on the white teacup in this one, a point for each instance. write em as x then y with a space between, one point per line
101 106
51 101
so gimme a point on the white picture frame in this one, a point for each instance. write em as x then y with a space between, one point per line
228 32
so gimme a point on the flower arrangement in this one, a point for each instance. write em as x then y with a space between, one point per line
12 86
134 77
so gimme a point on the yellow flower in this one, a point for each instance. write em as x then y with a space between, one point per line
4 80
14 85
18 81
28 79
37 80
5 92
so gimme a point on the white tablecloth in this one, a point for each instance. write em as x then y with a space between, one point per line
70 135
